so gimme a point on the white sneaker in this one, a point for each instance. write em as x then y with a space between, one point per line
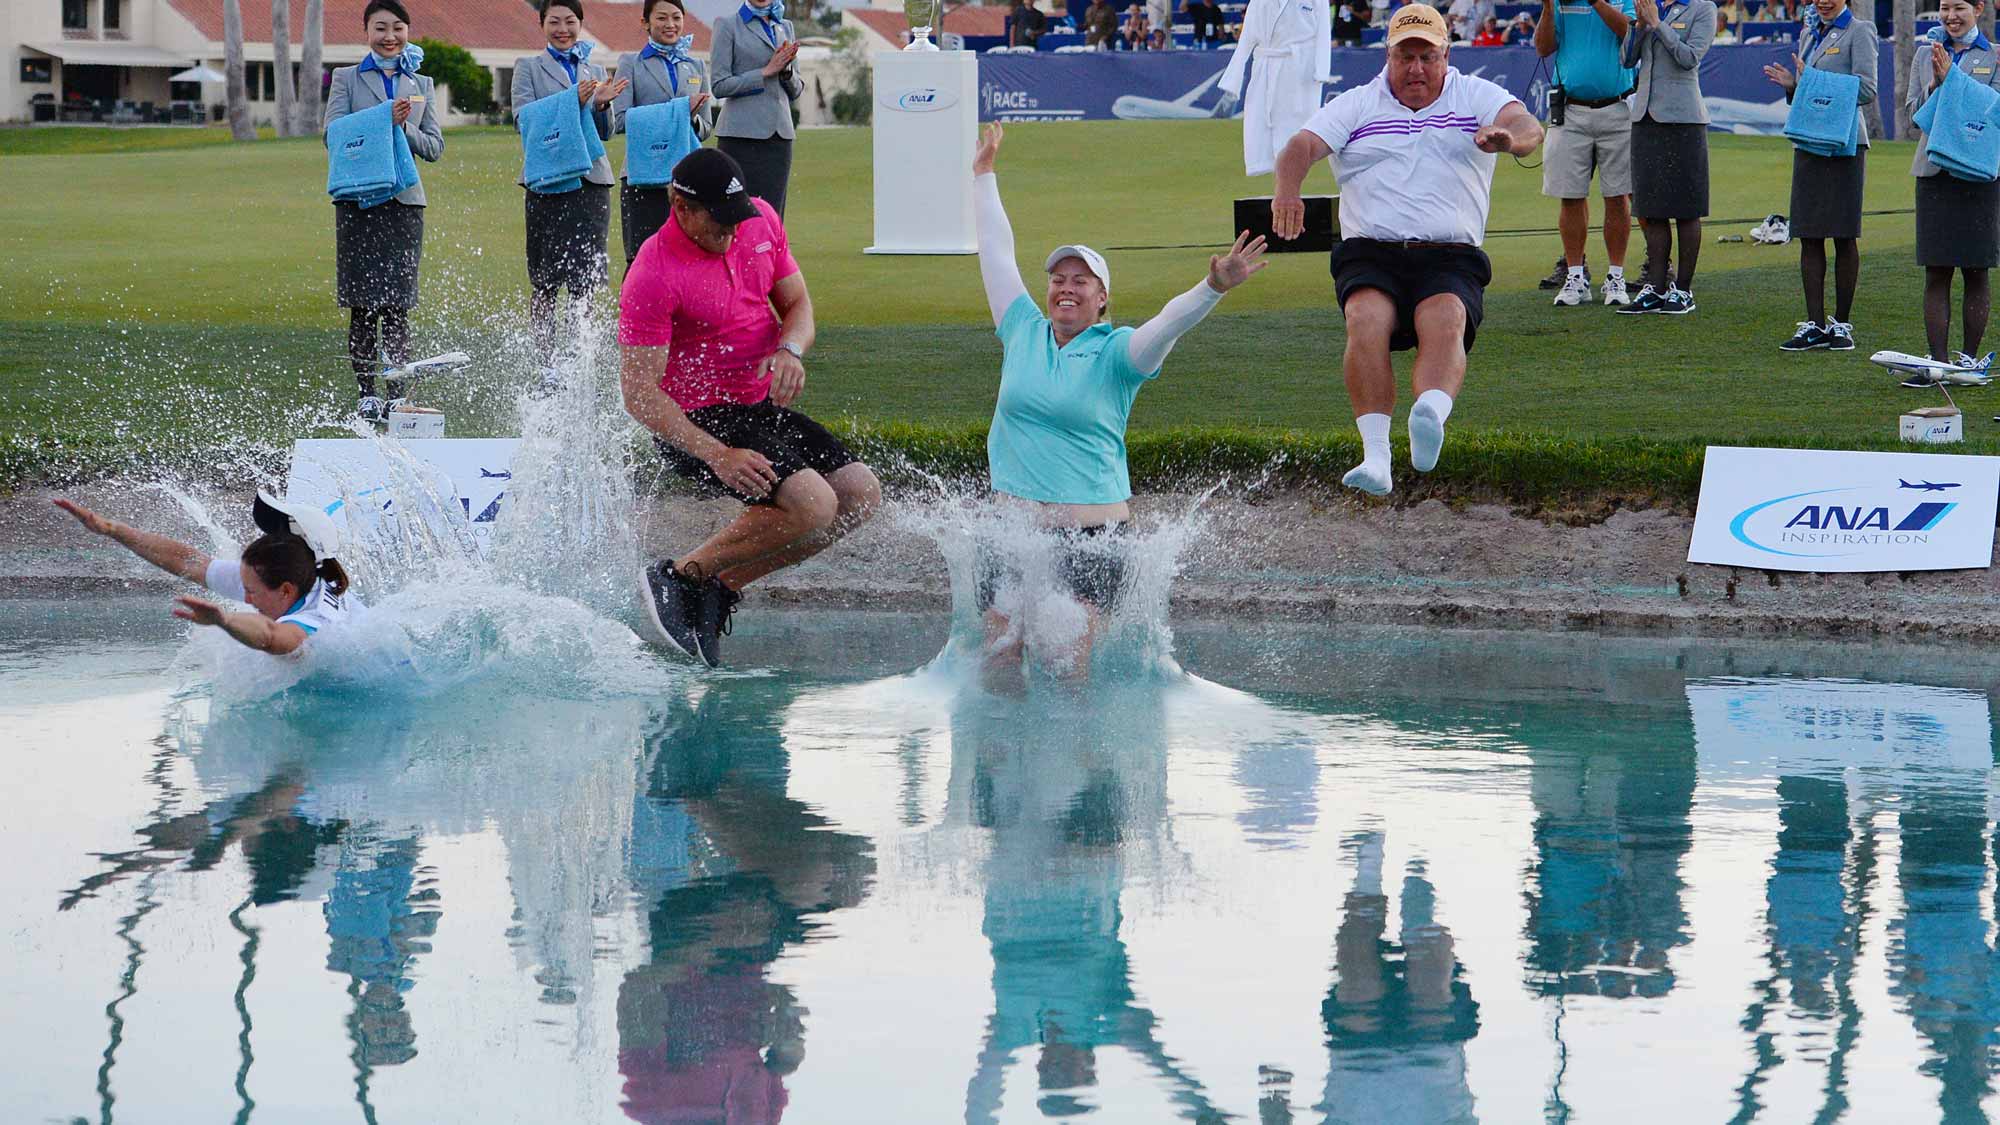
1614 291
1969 363
1575 291
371 409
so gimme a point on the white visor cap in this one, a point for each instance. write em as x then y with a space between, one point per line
297 517
1091 258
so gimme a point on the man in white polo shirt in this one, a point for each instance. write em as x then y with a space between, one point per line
1414 152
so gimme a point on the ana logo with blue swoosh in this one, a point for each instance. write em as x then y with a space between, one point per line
1743 517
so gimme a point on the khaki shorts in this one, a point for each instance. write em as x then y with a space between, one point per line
1589 140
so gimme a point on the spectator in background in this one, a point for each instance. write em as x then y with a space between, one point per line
1728 15
1100 25
1522 31
1463 16
1594 138
1025 25
1206 15
1160 19
1138 34
1349 20
1490 34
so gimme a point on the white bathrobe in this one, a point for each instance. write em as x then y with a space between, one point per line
1292 40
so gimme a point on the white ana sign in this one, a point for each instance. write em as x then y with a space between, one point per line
1829 510
919 99
369 486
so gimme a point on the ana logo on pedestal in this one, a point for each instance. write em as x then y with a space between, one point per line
920 99
1795 525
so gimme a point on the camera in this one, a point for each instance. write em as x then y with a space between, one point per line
1558 103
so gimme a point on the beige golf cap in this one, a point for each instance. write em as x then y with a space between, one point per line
297 517
1091 258
1419 21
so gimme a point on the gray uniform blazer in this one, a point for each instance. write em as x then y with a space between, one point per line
352 92
1848 50
1981 64
1668 55
754 107
651 84
538 75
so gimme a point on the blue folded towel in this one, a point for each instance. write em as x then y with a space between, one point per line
368 158
1962 121
558 144
656 137
1825 119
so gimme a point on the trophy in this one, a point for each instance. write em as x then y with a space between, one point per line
922 15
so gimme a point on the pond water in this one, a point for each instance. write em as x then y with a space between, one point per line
1304 874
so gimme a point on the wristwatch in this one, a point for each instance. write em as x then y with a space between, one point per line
797 351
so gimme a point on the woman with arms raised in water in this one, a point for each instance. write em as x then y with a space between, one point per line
287 574
1067 383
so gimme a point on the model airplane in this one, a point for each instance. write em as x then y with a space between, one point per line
1926 372
405 417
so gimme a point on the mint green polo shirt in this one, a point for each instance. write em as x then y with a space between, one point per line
1058 431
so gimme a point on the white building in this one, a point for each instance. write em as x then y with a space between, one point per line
106 60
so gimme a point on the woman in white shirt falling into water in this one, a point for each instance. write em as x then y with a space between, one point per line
286 575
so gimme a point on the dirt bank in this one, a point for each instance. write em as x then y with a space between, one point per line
1299 555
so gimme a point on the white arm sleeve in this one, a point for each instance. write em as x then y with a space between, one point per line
1149 343
225 577
996 248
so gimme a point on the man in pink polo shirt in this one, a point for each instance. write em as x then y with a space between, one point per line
714 322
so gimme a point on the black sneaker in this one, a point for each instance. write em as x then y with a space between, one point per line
672 602
1649 300
1677 301
1839 336
1555 280
1809 337
712 620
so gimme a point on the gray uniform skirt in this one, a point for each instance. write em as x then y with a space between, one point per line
566 233
642 211
766 164
1669 170
1826 194
1958 222
376 253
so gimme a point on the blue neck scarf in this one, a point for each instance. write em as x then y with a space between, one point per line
575 57
1818 28
771 16
673 56
407 62
1958 46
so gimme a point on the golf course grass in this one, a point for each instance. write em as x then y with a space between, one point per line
172 305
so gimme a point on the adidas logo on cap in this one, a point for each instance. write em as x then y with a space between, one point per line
735 185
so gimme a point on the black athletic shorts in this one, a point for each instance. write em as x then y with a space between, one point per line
1410 275
789 440
1092 577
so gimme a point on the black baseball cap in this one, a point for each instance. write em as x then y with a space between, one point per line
713 179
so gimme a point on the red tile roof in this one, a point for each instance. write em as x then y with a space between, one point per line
966 19
478 24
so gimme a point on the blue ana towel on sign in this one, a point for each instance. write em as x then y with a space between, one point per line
1960 120
368 158
1825 118
557 144
656 137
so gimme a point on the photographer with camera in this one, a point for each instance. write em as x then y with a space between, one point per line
1590 130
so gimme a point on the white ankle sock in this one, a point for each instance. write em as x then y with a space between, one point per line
1576 272
1427 419
1372 474
1615 273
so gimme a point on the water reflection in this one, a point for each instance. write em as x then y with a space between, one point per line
704 1034
1457 886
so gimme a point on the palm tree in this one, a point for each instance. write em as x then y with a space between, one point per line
312 38
235 93
281 64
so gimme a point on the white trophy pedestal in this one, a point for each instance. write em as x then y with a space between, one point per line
926 128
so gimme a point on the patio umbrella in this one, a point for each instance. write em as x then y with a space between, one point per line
200 72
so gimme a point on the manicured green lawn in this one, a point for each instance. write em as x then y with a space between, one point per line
171 303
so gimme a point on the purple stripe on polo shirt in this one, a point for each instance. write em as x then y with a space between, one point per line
1405 127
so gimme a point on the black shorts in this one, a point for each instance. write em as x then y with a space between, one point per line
790 441
1411 275
1092 577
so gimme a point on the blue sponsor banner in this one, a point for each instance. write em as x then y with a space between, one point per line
1181 85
